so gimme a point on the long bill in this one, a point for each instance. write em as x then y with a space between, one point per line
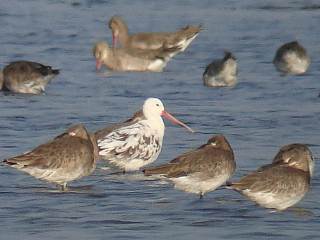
174 120
98 64
114 40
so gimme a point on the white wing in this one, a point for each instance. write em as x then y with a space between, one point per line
136 142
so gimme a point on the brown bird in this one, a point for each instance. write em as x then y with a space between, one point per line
128 59
26 77
281 184
153 40
292 58
69 156
201 170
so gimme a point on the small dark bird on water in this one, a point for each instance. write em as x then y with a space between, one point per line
26 77
222 72
292 58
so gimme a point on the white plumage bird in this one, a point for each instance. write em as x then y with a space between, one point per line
137 142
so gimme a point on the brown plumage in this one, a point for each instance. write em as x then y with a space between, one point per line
153 40
129 59
297 155
201 170
69 156
281 184
292 58
26 77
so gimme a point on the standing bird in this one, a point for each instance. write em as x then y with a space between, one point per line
69 156
134 144
153 40
292 58
282 183
125 59
26 77
201 170
221 73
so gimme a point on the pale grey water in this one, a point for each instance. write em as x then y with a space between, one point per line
263 112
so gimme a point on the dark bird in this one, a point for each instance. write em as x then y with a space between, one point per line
292 58
69 156
222 72
282 183
201 170
26 77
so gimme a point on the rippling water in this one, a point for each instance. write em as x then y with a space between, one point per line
263 112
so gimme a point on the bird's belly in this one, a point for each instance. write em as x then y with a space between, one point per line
273 200
58 176
157 65
198 185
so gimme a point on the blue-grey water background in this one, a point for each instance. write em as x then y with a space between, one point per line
262 113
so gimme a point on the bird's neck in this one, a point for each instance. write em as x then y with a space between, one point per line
156 123
1 79
123 35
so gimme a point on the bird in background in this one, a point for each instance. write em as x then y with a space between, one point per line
292 58
222 72
26 77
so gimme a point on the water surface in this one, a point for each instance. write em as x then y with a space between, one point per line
263 112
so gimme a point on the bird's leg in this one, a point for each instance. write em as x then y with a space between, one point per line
63 188
200 195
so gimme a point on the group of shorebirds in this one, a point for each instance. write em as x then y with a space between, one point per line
137 142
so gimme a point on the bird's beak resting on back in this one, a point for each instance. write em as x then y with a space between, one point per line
171 118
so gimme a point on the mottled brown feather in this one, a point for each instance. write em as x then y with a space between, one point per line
208 159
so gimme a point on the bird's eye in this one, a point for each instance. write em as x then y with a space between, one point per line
157 105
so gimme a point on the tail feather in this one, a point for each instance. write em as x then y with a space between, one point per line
164 169
168 52
228 55
190 31
55 71
6 161
229 185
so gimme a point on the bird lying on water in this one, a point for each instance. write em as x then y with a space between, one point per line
137 142
221 73
69 156
292 58
201 170
282 183
152 40
26 77
129 59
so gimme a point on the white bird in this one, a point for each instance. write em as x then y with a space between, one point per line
134 144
